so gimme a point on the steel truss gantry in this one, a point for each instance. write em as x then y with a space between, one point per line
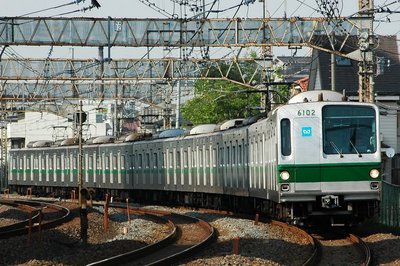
320 33
120 78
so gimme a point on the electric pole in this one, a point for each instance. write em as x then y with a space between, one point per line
366 45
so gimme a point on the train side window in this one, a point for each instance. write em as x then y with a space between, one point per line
50 163
155 160
234 155
220 156
208 158
286 146
214 157
228 161
240 157
140 161
98 162
66 162
74 165
178 159
43 163
115 162
200 158
35 163
185 159
107 162
164 160
90 166
122 158
171 158
147 165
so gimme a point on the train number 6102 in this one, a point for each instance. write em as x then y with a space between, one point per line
306 112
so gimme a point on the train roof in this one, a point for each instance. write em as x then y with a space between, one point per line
317 96
202 129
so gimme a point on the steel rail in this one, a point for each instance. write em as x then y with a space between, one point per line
363 247
66 215
148 254
16 225
316 246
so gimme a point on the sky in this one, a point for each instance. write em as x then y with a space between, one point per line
169 8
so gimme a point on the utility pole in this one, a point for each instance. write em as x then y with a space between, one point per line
80 155
83 192
3 159
366 46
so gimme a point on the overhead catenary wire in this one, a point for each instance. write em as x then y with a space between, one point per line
52 8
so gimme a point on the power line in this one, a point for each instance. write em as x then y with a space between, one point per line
51 8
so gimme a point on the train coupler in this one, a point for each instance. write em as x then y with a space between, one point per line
330 201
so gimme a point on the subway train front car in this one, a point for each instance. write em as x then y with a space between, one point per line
329 160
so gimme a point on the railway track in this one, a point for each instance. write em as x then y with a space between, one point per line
188 235
315 256
42 215
340 248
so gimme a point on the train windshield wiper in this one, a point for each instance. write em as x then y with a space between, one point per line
354 147
336 149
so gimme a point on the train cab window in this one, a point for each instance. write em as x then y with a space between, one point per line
348 129
286 145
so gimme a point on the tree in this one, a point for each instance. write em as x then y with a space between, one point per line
219 100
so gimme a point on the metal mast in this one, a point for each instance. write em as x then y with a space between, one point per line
366 46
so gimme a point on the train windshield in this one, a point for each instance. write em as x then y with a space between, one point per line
348 129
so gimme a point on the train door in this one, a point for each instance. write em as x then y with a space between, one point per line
307 148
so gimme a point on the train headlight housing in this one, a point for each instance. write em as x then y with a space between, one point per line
374 173
284 175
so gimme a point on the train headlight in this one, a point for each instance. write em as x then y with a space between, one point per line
284 175
374 173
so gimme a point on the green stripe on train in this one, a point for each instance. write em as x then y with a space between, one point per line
328 172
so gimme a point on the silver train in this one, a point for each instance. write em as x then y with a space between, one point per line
315 156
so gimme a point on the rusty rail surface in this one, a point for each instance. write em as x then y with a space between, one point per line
363 247
22 227
316 246
150 254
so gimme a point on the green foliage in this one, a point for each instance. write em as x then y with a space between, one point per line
219 100
282 92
